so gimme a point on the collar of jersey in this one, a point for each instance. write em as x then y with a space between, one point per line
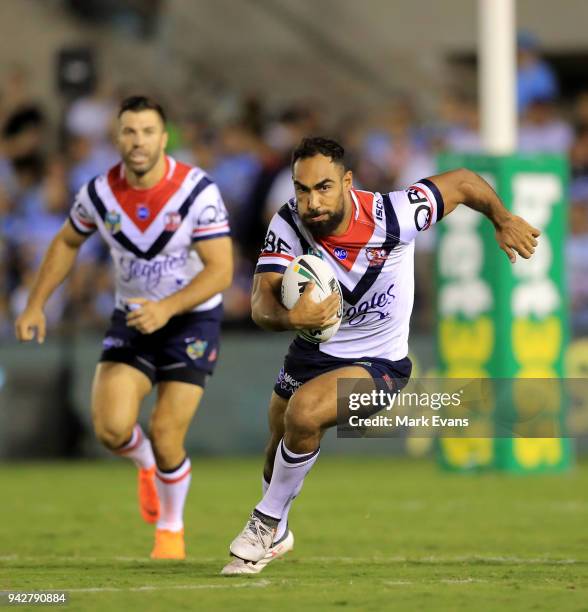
170 166
352 220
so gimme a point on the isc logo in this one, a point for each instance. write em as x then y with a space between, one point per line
379 210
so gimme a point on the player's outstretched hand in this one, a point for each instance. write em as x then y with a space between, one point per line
30 321
308 314
515 234
147 316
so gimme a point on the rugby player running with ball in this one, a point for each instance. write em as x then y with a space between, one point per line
368 239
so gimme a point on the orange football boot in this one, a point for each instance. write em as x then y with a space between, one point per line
169 545
148 498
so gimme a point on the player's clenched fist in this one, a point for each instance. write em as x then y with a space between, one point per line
515 234
308 314
147 316
30 321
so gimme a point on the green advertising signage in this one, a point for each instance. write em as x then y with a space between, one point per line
499 320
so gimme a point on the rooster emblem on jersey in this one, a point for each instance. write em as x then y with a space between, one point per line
172 221
376 257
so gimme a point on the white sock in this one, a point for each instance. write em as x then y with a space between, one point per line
288 475
283 524
172 488
138 448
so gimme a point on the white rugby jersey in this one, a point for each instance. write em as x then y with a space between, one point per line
151 232
373 261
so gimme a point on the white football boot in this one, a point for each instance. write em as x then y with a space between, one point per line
279 549
254 542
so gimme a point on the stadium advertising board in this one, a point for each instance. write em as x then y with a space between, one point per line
496 319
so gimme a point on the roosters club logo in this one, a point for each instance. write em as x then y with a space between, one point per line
172 221
376 257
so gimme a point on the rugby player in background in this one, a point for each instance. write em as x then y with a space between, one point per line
368 239
167 230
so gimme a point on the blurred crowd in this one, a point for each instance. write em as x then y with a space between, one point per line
44 161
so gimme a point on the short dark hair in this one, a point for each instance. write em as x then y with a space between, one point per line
136 104
316 145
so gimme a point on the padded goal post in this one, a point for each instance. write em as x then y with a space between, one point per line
502 321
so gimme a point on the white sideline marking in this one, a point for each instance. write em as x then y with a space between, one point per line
391 559
461 580
441 581
441 560
222 584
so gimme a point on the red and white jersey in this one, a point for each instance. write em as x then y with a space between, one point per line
151 232
373 261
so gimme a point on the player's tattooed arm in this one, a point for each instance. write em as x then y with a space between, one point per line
266 309
56 265
268 313
513 233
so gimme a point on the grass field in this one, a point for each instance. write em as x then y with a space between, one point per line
371 534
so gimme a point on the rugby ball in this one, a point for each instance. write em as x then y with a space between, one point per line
301 271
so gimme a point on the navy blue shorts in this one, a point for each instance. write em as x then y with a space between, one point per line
184 350
304 361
